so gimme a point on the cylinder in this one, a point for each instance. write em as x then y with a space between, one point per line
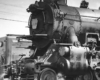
77 63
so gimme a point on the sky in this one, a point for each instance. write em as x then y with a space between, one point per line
14 18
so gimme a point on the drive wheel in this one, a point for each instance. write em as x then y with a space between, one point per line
48 74
11 78
88 76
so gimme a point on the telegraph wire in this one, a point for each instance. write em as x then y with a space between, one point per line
13 20
12 13
12 5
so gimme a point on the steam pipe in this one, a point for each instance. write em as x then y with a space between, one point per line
72 35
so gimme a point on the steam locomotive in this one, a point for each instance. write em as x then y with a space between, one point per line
65 41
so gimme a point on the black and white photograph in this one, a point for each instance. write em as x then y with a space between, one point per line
49 39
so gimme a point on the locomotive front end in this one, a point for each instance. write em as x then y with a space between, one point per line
69 39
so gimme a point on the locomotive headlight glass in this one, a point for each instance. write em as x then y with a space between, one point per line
63 50
34 23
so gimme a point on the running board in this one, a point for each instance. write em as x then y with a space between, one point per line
30 37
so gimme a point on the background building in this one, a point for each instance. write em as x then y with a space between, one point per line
11 48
